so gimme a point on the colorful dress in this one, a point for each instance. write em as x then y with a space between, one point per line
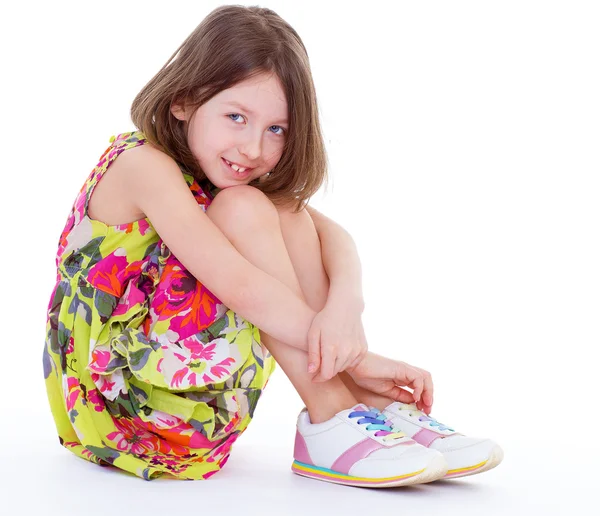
145 369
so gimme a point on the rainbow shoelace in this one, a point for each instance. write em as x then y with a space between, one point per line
377 421
423 417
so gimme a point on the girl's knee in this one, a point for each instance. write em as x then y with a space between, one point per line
242 204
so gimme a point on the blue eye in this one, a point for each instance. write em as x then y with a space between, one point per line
282 130
235 115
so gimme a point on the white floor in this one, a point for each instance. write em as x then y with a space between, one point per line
258 480
543 473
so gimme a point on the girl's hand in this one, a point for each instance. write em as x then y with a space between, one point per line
336 339
386 377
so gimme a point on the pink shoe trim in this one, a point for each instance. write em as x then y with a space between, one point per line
425 437
352 455
300 450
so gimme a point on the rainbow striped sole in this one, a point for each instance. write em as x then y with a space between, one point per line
465 471
329 475
495 458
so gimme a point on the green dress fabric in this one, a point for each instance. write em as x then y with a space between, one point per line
145 369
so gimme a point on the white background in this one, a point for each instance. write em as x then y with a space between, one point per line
463 146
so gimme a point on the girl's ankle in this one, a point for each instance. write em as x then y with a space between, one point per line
321 412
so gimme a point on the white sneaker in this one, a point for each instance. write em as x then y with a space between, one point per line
358 447
464 455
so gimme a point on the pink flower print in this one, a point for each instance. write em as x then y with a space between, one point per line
218 370
125 228
62 243
73 392
161 419
96 400
131 297
179 376
198 440
132 438
199 350
100 360
222 451
83 450
164 459
223 461
105 384
234 421
189 305
71 346
206 476
112 272
87 453
175 440
79 205
107 274
143 226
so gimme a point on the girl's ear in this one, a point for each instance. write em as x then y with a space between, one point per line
178 111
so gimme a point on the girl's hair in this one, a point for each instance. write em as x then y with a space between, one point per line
231 44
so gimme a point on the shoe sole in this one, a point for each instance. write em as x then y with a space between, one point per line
435 470
495 458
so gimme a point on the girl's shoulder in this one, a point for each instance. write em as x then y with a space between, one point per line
110 199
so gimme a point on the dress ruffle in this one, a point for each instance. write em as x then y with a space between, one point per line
167 336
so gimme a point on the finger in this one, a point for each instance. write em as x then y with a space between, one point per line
428 389
327 363
314 351
355 362
426 409
360 357
346 363
318 378
427 396
418 388
401 395
340 365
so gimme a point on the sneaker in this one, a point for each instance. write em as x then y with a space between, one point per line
464 455
357 447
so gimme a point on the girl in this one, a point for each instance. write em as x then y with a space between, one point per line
190 264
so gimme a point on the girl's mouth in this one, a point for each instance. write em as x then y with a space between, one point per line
240 175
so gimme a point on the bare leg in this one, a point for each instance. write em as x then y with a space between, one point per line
303 245
256 234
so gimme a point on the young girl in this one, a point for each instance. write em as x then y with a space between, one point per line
190 264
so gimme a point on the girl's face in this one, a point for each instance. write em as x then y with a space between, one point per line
244 126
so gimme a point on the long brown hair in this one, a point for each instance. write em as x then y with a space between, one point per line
231 44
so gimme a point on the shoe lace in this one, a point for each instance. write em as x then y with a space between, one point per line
423 417
377 421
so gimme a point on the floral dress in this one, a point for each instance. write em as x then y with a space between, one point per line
145 369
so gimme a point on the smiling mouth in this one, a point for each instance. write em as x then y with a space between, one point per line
243 174
240 170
